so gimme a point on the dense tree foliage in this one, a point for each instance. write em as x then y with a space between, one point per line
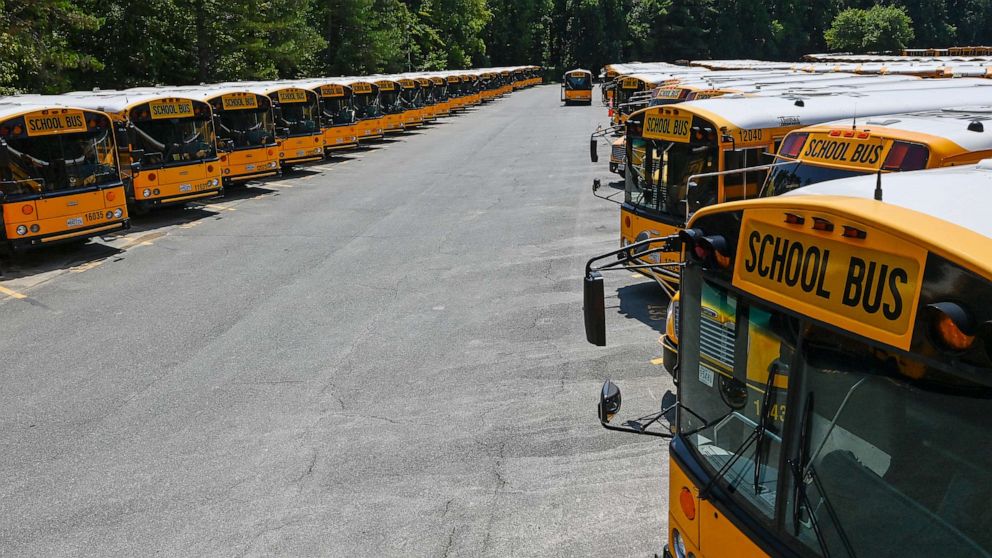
875 29
55 45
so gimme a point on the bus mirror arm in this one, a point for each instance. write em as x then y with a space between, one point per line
609 405
593 292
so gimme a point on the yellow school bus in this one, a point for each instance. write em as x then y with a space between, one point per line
297 116
337 116
246 138
834 372
683 157
390 104
411 101
472 87
368 114
888 143
455 92
576 87
428 101
59 174
439 95
167 145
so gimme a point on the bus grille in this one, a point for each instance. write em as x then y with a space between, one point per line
618 153
716 341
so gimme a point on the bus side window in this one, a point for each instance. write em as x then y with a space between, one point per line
740 186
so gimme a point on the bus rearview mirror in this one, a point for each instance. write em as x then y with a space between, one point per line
609 401
594 308
593 153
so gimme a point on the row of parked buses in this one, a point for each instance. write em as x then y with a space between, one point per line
77 165
824 246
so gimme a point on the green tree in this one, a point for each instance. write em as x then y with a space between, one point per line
879 28
37 39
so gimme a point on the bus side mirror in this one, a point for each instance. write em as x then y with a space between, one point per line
136 155
594 308
593 153
609 402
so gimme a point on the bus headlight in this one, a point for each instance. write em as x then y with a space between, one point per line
214 182
672 320
22 230
146 193
110 215
678 544
118 213
35 228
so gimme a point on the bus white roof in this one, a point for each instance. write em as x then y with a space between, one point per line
958 195
771 111
948 123
107 100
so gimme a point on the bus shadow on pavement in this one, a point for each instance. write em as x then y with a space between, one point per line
24 265
247 191
645 302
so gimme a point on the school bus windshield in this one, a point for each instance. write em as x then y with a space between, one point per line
578 81
788 177
246 128
57 163
173 140
337 110
664 188
300 118
857 488
364 106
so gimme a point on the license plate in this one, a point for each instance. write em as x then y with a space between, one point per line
301 153
202 187
94 216
185 187
249 167
706 375
74 222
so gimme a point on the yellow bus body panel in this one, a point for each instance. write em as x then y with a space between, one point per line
341 137
369 129
178 182
710 534
578 95
301 149
70 215
392 123
633 226
413 118
245 164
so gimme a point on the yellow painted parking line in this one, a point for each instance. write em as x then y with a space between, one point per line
12 294
636 275
657 361
217 207
86 266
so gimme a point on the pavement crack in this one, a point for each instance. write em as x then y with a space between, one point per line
446 551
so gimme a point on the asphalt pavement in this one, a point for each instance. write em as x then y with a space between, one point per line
382 355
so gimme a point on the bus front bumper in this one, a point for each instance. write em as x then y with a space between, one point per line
22 244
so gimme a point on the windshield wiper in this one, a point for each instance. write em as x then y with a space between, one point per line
756 435
800 471
763 424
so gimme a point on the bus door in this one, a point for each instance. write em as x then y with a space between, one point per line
337 117
298 114
245 136
59 177
172 147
